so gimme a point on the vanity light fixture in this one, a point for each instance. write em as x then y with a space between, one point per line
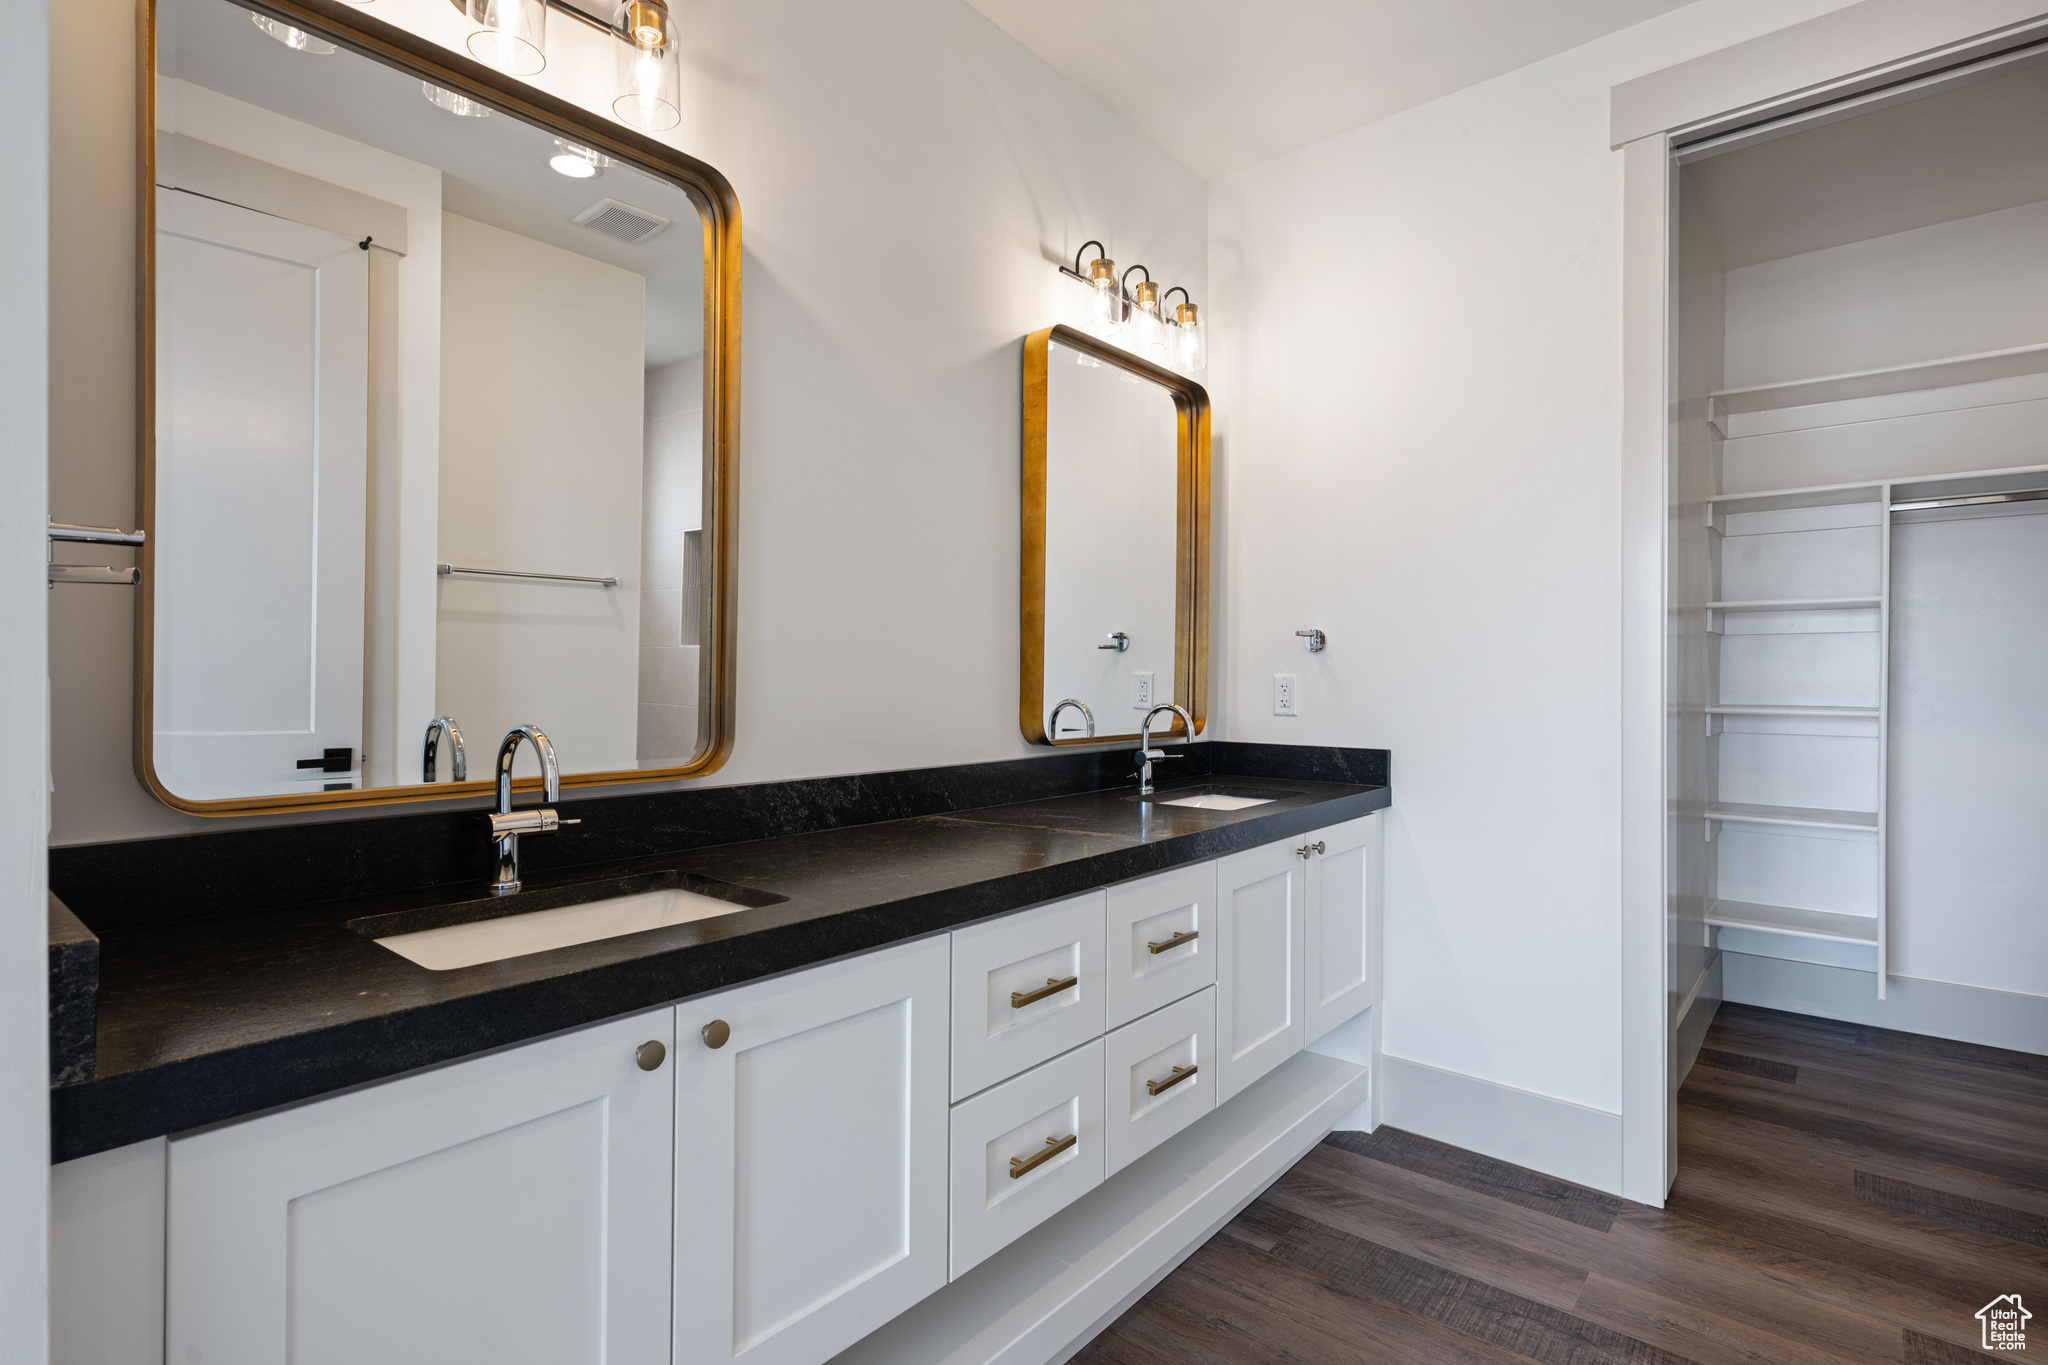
1105 315
649 66
511 35
462 106
1135 316
578 163
297 39
1148 330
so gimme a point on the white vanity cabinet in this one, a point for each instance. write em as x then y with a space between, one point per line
509 1210
1342 958
810 1156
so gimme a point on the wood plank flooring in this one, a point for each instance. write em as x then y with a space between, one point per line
1845 1194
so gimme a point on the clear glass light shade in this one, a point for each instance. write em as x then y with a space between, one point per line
462 106
578 163
1148 329
1190 340
298 40
650 82
511 35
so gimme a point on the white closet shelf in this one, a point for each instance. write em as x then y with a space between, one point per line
1837 494
1784 919
1836 388
1812 817
1797 604
1853 712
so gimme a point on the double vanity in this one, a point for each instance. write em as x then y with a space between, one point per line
984 1071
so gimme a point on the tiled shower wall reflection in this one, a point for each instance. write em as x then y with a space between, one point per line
671 534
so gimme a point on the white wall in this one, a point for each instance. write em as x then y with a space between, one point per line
671 507
908 177
1417 373
24 464
1112 462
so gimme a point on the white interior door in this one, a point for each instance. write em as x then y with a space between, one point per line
511 1210
261 460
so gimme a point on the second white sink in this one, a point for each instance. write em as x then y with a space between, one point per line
1217 801
492 940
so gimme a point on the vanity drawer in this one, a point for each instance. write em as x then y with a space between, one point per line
998 1028
1057 1105
1145 1056
1173 913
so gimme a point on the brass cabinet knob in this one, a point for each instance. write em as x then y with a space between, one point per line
650 1055
716 1032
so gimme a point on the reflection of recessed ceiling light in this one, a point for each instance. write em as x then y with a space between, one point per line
460 105
296 39
578 163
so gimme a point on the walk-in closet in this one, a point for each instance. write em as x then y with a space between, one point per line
1858 648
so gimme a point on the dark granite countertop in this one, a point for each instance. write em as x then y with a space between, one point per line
207 1020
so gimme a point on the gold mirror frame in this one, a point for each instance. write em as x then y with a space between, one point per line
349 27
1191 534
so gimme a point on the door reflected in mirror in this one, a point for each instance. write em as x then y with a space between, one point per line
1115 541
429 434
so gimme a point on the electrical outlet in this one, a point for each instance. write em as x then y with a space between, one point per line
1283 695
1141 691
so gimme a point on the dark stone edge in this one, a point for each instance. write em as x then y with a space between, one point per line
74 996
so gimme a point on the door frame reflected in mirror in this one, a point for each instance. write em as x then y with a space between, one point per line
1191 534
349 27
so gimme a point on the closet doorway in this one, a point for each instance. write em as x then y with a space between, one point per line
1857 667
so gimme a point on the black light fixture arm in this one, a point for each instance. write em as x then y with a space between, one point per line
1179 289
1076 271
1124 284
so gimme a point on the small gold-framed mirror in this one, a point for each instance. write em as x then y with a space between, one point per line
440 383
1115 605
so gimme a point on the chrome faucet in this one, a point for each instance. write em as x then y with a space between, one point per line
507 825
434 729
1053 725
1147 754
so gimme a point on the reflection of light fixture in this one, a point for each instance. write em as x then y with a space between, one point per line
460 105
649 66
578 163
1190 340
297 39
511 35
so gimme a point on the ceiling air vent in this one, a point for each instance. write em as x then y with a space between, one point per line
621 222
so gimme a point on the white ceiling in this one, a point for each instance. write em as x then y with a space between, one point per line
1221 84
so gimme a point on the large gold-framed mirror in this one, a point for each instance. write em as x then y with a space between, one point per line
440 383
1115 607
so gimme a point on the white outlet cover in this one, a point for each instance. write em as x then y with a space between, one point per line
1141 691
1284 685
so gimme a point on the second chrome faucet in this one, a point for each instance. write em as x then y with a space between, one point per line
507 824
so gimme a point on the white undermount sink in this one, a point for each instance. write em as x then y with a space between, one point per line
1216 801
450 946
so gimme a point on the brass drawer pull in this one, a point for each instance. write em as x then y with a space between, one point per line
1184 936
1052 986
1020 1165
1180 1073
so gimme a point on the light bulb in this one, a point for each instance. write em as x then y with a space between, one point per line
297 39
649 66
578 163
1105 306
462 106
1191 345
1148 332
511 35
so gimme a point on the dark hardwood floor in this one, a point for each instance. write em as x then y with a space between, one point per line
1844 1194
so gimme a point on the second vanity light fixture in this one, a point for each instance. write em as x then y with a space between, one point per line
511 35
1134 316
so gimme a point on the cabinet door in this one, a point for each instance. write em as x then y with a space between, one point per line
1343 924
1157 952
1261 905
811 1157
510 1209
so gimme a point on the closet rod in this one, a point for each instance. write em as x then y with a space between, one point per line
1972 500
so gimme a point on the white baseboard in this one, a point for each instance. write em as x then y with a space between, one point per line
1695 1019
1968 1014
1556 1137
1046 1295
